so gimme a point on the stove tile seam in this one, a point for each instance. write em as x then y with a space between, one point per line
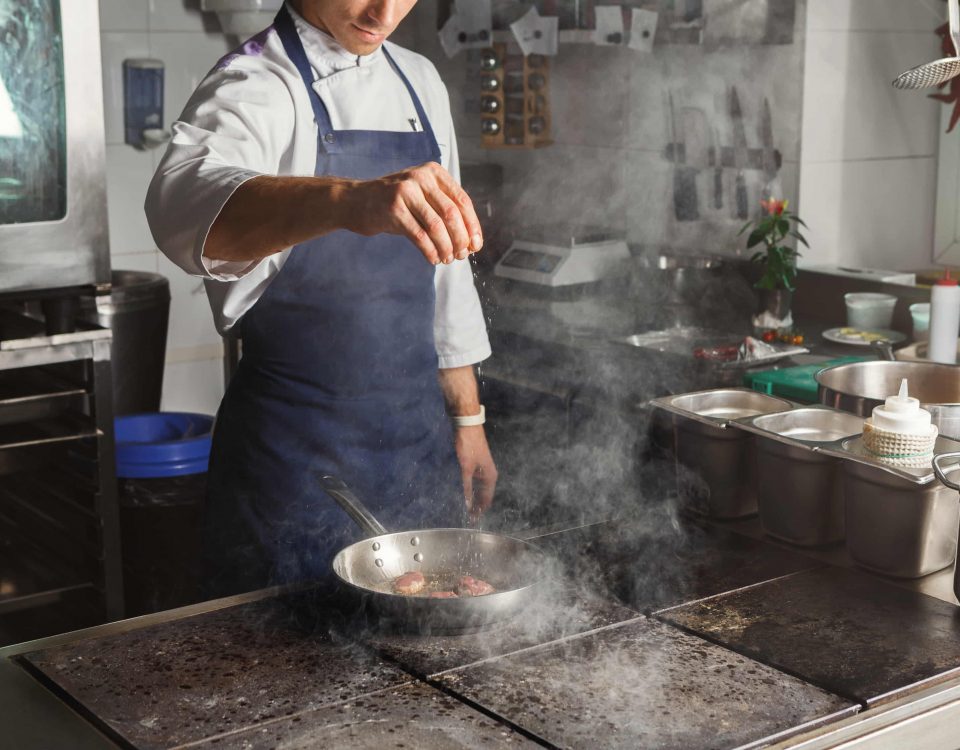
543 532
81 709
490 713
785 734
901 692
538 646
658 612
451 693
288 717
756 658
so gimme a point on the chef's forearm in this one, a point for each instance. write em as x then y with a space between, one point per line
460 391
268 214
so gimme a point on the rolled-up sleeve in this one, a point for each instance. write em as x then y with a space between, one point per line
236 126
460 330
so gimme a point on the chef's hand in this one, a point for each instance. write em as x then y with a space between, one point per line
477 469
426 205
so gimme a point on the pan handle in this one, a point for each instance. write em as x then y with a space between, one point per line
939 472
338 490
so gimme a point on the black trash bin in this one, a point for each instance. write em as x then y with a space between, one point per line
137 311
162 472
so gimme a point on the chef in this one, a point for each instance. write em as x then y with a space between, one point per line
312 182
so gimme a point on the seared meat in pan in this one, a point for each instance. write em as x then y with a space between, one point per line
409 583
470 586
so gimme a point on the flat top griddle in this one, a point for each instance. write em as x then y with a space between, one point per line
787 643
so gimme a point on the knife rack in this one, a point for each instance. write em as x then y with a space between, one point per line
514 99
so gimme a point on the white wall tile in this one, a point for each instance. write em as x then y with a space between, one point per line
875 214
115 47
875 15
193 386
850 109
135 261
177 15
191 322
188 57
123 15
128 174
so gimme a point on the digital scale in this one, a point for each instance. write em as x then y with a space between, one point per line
556 258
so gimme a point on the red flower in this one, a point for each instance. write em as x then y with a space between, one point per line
774 207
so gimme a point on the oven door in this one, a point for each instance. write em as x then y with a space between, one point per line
53 217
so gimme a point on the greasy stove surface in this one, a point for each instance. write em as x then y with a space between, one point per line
848 632
166 685
577 665
413 716
657 561
558 612
643 684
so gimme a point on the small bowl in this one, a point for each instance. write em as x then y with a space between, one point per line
869 311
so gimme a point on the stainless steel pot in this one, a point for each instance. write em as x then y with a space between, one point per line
858 387
515 568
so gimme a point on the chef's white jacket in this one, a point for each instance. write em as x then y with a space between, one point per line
251 115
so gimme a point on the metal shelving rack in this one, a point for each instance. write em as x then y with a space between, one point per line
60 563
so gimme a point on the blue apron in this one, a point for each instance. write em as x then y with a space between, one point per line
338 375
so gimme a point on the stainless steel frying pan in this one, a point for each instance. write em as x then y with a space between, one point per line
515 568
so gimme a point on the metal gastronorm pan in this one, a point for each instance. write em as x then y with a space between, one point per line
723 472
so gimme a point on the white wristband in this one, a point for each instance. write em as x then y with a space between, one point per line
471 421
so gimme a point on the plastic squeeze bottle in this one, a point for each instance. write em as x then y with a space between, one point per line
899 432
902 414
944 320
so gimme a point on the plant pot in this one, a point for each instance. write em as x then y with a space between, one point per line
775 301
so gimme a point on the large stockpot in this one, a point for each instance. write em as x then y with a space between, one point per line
516 569
859 387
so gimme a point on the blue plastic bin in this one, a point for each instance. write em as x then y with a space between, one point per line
162 444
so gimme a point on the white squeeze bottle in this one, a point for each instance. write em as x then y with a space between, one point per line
944 320
902 414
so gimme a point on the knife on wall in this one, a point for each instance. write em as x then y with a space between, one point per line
685 203
717 171
741 153
771 159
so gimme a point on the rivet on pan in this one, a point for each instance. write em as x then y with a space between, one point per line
418 557
415 541
376 546
378 562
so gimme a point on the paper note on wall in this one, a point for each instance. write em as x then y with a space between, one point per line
609 30
643 28
536 34
469 26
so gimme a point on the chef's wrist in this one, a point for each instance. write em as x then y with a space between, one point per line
475 419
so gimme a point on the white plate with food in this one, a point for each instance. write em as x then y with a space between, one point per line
858 337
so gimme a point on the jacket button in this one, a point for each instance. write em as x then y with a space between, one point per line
328 138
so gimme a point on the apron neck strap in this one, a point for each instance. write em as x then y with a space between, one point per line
293 46
421 114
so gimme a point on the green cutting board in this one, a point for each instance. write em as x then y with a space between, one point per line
796 383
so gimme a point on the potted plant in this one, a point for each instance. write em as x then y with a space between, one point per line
778 280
